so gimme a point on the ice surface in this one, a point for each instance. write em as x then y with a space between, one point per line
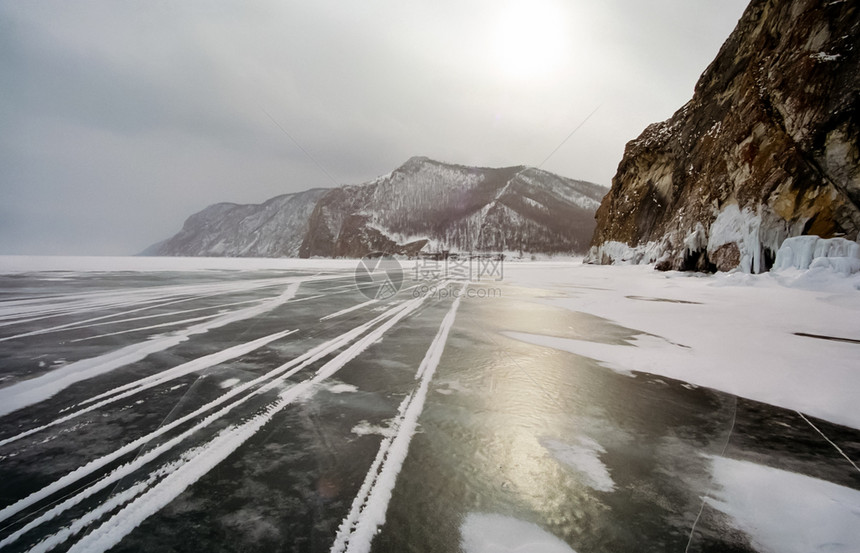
836 247
796 252
490 533
787 512
755 234
736 332
696 240
741 227
619 253
811 252
572 346
841 265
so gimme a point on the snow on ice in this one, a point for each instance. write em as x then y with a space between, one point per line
584 458
784 511
490 533
341 388
770 321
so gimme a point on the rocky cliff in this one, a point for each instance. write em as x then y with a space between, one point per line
422 204
766 149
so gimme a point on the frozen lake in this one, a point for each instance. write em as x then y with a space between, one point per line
265 405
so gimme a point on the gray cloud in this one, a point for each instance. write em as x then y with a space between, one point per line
119 119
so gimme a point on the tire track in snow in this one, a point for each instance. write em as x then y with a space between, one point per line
143 328
313 355
277 377
358 306
74 312
132 388
348 310
114 502
220 290
201 460
175 323
367 513
81 324
89 324
35 390
72 304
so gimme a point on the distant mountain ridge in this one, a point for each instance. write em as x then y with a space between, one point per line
275 228
421 204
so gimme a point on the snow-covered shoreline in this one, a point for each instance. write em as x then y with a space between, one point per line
762 337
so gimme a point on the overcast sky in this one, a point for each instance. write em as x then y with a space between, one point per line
118 119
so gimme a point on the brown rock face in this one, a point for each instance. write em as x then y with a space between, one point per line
726 257
766 149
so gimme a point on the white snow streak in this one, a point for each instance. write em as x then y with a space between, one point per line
584 458
73 304
38 389
229 383
367 513
296 364
347 310
166 314
342 388
201 461
132 388
143 328
197 463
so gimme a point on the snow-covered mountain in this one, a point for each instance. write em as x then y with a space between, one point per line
423 204
275 228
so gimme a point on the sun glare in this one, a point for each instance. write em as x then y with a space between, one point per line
530 41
